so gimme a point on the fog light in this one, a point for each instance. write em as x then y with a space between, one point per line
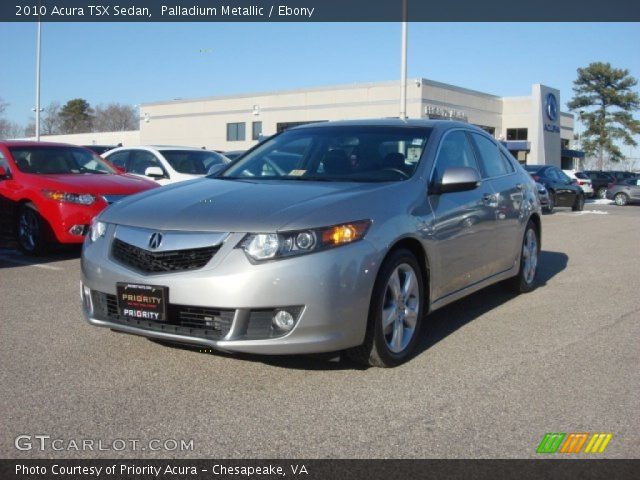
283 320
78 230
86 298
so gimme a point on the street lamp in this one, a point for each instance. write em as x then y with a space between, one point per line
37 107
403 64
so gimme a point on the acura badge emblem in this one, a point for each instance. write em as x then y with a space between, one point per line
155 240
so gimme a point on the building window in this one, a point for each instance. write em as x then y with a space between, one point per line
565 143
517 133
256 130
235 132
490 130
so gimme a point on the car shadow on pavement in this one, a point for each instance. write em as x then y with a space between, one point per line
443 322
14 258
438 325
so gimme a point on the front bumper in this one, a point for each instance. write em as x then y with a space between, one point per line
331 290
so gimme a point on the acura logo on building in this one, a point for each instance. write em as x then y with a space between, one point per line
155 240
551 107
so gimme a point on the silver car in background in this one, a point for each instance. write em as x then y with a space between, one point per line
338 236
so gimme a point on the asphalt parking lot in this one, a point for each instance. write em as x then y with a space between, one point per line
494 374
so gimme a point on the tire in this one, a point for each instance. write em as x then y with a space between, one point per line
552 203
31 231
525 280
601 193
578 204
621 199
395 313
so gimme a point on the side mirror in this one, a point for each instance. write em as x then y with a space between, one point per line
4 174
214 170
154 172
458 179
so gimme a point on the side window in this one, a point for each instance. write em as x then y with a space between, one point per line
493 163
4 163
119 159
563 176
139 161
455 151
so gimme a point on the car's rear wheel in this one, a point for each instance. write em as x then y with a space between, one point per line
578 204
31 230
525 280
602 193
621 199
395 313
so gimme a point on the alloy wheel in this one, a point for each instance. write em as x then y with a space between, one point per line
28 229
400 308
620 199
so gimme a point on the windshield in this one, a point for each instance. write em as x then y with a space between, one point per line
58 160
194 162
342 153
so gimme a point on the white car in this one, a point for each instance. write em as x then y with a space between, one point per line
582 180
165 164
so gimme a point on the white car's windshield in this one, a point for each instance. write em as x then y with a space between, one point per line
344 153
194 162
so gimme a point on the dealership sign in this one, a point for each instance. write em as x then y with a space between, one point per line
432 111
551 112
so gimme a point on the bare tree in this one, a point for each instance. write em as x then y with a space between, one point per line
50 121
115 117
8 129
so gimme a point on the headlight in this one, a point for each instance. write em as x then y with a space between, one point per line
97 230
267 246
78 198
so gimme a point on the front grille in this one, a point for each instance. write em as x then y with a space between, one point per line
208 323
156 262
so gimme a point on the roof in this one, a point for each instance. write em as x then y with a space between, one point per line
390 122
33 143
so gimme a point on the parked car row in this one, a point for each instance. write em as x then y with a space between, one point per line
604 180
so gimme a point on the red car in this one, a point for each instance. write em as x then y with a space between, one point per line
50 192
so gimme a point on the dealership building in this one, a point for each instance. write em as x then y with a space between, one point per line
532 126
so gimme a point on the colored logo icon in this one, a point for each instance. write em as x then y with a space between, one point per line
574 442
551 107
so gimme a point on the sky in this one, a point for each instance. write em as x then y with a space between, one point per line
136 63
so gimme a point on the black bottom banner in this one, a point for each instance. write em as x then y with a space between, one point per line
318 469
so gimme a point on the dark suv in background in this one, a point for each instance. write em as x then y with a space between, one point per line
563 191
600 181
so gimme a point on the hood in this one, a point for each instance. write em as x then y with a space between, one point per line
251 206
97 184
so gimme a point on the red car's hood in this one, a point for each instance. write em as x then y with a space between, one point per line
97 183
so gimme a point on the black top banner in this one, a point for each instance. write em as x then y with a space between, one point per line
319 10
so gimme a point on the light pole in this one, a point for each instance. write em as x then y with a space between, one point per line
37 108
403 64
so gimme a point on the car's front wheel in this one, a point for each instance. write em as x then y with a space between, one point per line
552 203
31 230
621 199
395 313
525 280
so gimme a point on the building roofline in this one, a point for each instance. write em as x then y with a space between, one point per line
345 86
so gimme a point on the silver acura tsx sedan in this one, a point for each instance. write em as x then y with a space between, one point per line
339 236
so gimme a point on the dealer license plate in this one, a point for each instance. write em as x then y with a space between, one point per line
144 302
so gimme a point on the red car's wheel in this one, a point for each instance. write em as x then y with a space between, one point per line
31 230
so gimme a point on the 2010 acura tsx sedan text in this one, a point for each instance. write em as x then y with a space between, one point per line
337 236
